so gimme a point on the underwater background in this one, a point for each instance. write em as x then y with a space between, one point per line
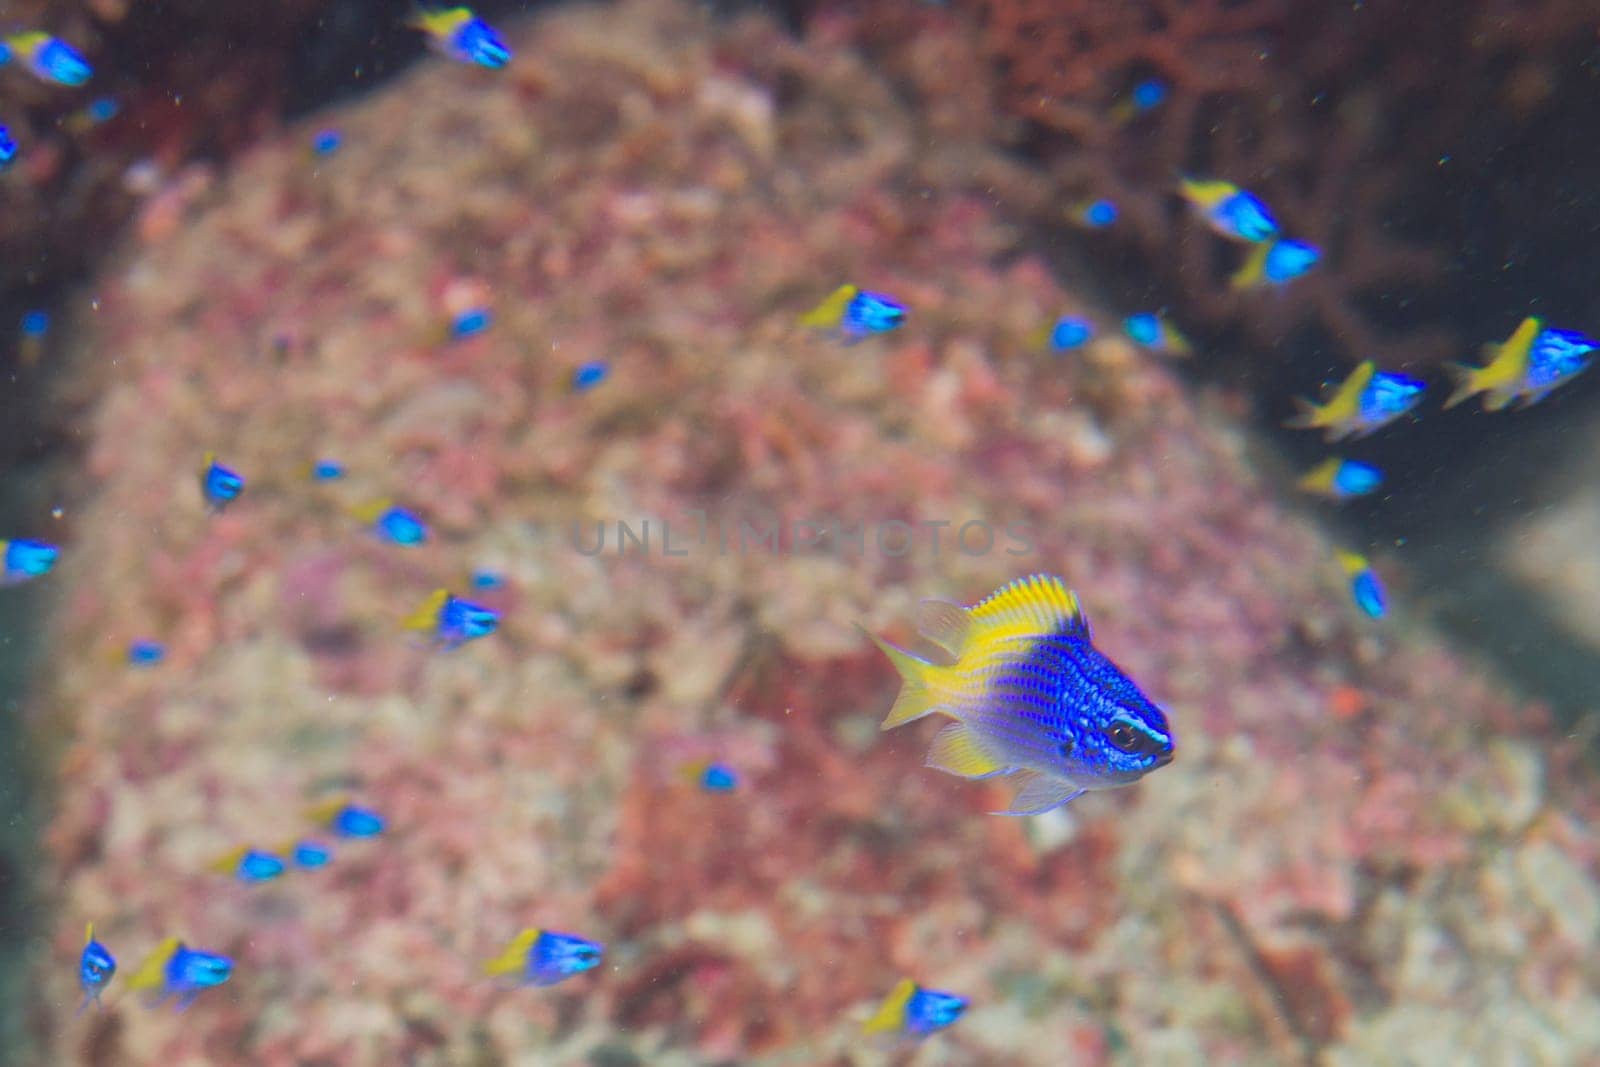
594 374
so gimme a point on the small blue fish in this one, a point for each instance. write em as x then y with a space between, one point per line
1277 263
1094 214
470 323
1031 696
1229 210
1364 402
35 323
1340 479
856 313
250 866
1365 587
488 580
1148 94
346 819
544 957
1154 332
174 970
912 1012
219 485
22 560
719 778
8 148
459 34
1557 356
453 621
394 524
48 58
589 375
326 142
102 109
327 470
1069 333
309 855
95 968
146 653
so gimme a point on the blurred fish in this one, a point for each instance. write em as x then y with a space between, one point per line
34 327
99 110
346 819
487 579
250 866
1340 479
453 621
1365 401
1093 214
1276 263
47 58
146 653
325 470
1154 332
1530 363
326 142
95 968
1069 333
1365 587
1031 695
470 323
856 313
8 148
711 775
461 35
912 1012
1145 96
544 957
1229 210
590 375
393 524
219 485
308 855
22 560
174 970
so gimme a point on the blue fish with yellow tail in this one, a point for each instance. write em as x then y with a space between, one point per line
346 819
175 970
1531 363
462 36
396 525
855 313
1275 263
1365 588
1229 210
453 621
912 1012
1340 479
47 58
24 560
1031 696
1366 401
1094 214
219 485
1152 330
544 957
96 966
308 855
250 866
8 148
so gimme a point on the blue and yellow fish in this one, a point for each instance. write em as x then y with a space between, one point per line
912 1013
1229 210
308 855
470 323
453 621
8 148
544 957
96 966
855 313
325 142
175 970
1340 479
146 653
1365 588
1094 214
1152 331
1533 361
461 35
488 580
219 485
250 866
23 560
1365 401
1031 696
589 375
325 470
1275 263
1144 97
47 58
346 819
397 525
713 776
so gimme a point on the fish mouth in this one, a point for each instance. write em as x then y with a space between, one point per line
1165 757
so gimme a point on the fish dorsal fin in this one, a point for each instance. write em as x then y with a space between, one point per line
1040 793
1040 604
956 751
891 1014
945 624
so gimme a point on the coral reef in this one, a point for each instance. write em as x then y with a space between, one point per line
1403 874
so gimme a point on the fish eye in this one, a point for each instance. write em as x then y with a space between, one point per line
1133 741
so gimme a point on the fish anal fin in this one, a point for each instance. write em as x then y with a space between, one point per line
945 624
1040 793
956 751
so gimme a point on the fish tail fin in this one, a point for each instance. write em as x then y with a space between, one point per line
228 862
830 312
891 1014
1319 479
1253 269
1307 415
369 512
915 699
1467 382
151 973
426 617
324 812
515 955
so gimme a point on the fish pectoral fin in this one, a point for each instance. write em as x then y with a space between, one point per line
957 751
1040 793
